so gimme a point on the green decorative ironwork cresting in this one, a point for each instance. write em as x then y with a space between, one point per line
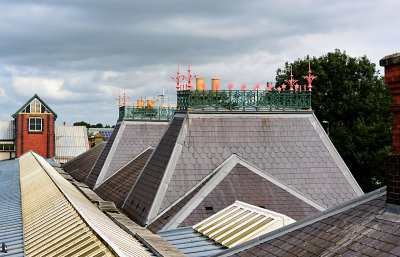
243 99
148 113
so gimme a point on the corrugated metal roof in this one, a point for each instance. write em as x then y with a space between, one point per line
11 229
190 242
241 222
6 130
121 242
52 227
70 142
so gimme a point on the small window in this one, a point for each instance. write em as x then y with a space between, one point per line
6 148
35 124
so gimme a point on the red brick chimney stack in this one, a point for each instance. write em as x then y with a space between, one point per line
392 78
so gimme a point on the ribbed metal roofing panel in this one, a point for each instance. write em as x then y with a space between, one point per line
70 142
6 130
240 222
11 229
190 242
122 243
52 227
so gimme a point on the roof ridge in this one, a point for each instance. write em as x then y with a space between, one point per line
126 164
219 174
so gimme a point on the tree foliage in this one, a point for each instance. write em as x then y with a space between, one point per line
350 94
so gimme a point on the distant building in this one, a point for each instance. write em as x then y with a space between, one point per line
34 128
7 147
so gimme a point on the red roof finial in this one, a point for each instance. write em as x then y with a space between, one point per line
310 77
177 79
119 98
125 97
189 77
292 81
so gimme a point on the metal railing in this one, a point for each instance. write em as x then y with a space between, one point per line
146 113
243 99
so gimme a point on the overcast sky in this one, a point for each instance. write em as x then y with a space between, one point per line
77 55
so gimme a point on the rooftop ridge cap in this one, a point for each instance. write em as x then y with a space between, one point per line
306 221
169 168
110 155
94 164
284 186
224 168
129 162
109 242
194 187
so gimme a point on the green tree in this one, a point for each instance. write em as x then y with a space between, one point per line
351 95
82 123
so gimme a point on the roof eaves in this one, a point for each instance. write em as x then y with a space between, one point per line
306 221
29 101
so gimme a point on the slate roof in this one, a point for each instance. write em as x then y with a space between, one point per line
143 194
11 229
359 227
98 165
70 142
291 146
127 140
80 166
116 188
223 188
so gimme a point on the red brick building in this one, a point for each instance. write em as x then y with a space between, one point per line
34 128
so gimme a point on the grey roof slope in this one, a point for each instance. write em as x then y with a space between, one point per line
291 146
143 194
117 187
236 180
126 142
80 166
98 165
11 228
359 227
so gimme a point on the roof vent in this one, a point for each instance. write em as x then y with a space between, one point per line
209 210
4 247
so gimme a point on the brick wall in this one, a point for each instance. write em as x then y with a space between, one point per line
41 142
392 78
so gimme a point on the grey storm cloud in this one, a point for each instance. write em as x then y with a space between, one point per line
79 54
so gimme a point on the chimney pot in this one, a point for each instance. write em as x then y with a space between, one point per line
215 84
199 84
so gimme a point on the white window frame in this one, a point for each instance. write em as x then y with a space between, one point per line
36 118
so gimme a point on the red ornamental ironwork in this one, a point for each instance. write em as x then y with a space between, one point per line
292 81
310 77
189 78
243 87
177 79
230 86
